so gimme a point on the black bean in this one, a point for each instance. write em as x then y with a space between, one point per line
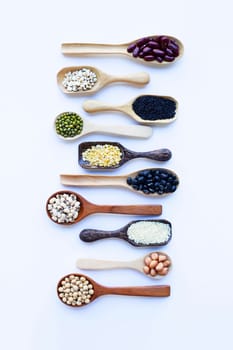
129 180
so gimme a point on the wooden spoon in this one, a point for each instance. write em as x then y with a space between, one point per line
139 131
99 290
91 235
137 185
137 264
87 208
103 79
92 106
161 155
78 49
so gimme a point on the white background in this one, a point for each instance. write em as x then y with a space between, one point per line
35 253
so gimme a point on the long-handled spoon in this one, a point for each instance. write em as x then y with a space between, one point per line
154 265
85 290
139 131
102 79
150 182
139 233
153 109
160 155
155 49
65 211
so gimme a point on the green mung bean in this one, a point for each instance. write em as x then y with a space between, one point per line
69 124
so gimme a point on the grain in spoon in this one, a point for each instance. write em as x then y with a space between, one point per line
68 207
112 155
84 80
154 265
150 182
156 50
139 233
70 126
145 109
78 290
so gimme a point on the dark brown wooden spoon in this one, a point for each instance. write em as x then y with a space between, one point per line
87 208
91 235
160 155
100 290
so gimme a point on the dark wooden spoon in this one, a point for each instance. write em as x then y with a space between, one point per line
99 290
160 155
87 208
91 235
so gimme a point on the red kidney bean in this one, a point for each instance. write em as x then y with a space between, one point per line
136 51
160 48
147 50
164 41
154 44
149 58
142 41
131 47
169 58
169 52
158 52
159 59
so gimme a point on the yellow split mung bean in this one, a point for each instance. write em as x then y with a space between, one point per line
105 155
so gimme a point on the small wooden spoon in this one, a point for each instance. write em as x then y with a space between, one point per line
160 155
139 131
87 208
118 180
91 235
99 290
137 264
79 49
92 106
103 79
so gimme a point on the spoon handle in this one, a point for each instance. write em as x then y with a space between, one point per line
92 106
139 131
78 49
92 235
95 264
140 78
146 291
161 155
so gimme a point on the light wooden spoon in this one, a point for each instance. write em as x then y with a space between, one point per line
92 106
122 180
78 49
160 155
138 131
155 239
88 208
103 79
100 290
137 264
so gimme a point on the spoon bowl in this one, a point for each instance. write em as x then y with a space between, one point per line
160 155
82 283
158 231
58 208
150 182
146 264
102 79
155 109
138 131
141 50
